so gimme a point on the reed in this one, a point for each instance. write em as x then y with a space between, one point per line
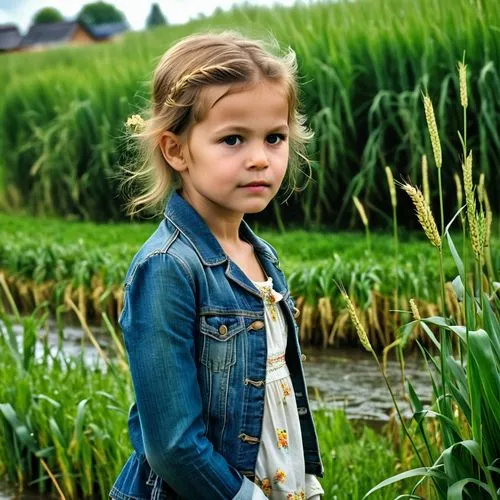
364 219
466 403
63 422
87 262
394 203
62 144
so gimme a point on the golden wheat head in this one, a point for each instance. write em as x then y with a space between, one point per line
363 337
470 201
361 210
392 187
414 310
433 131
462 77
425 180
424 214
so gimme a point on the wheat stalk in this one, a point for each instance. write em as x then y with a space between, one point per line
462 76
424 214
425 180
197 77
480 187
361 210
471 207
433 131
458 185
357 323
392 187
414 310
489 218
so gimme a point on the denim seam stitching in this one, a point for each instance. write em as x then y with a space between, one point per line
169 242
225 408
181 261
216 311
270 250
156 251
123 496
205 261
209 378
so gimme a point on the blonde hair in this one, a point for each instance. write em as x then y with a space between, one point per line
192 64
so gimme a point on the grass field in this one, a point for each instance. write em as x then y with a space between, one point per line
49 259
363 68
61 415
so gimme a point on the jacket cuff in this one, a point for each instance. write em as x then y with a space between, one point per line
249 491
313 487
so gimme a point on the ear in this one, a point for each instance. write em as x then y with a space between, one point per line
171 148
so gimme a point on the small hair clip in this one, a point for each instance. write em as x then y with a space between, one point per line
135 122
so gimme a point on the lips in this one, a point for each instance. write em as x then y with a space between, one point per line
258 183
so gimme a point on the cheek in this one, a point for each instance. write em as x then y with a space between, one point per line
281 158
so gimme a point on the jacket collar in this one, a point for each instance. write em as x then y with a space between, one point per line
196 230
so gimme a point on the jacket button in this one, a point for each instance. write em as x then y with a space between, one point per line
223 330
296 312
256 325
303 357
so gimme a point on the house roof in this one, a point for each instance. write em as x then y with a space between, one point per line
101 31
10 37
46 33
43 33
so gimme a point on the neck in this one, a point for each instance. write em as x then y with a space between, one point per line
224 225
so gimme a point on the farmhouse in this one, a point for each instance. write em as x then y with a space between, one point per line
47 35
10 38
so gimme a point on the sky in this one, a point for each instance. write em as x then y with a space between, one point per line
20 12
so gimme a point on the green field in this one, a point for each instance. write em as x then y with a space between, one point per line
73 418
47 258
363 67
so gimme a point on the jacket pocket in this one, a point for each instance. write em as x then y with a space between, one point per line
218 349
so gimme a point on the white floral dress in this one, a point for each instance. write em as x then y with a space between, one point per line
280 469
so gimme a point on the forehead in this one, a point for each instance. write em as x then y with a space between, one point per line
263 100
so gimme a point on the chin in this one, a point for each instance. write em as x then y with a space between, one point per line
255 208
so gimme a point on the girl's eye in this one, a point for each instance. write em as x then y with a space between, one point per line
230 140
276 138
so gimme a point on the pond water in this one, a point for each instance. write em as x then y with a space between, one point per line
350 379
337 378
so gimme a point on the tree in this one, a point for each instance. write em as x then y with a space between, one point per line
47 15
100 13
155 17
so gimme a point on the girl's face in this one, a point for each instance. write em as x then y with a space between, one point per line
243 139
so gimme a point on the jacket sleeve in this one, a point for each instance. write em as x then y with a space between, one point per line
159 326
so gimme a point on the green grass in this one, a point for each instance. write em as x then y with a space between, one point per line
363 67
47 259
74 418
31 246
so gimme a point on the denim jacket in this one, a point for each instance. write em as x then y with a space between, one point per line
193 326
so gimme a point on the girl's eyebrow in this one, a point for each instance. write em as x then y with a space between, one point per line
240 128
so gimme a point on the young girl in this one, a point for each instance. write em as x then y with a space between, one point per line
209 325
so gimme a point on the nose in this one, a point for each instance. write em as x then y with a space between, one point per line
258 157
